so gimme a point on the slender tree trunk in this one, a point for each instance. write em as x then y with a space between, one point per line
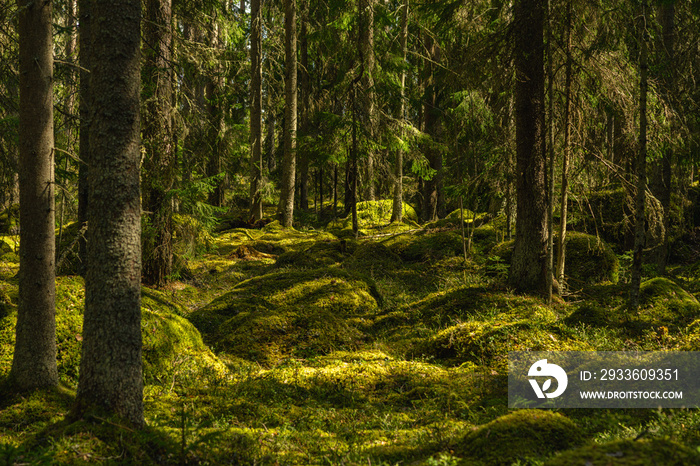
528 269
641 165
366 48
305 91
550 157
215 137
353 158
159 162
256 160
397 206
85 19
668 90
111 379
432 189
290 119
563 206
34 360
270 138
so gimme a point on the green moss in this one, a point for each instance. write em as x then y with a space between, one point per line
9 220
372 214
645 452
425 246
373 259
321 254
290 313
523 435
663 302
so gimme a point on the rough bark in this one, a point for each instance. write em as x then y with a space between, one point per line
85 19
305 92
159 161
366 48
290 118
641 166
563 206
111 379
397 206
528 268
256 160
34 360
433 197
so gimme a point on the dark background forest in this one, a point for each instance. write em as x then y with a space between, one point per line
310 232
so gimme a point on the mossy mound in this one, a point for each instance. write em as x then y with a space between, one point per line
519 437
172 347
373 214
322 254
487 343
664 302
589 260
290 313
455 305
590 314
373 259
425 246
629 453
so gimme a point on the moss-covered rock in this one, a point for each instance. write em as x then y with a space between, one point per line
664 302
425 245
321 254
373 259
521 436
589 259
488 342
290 313
629 453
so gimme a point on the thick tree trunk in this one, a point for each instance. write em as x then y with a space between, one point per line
111 379
34 360
286 207
641 166
85 19
256 160
397 206
159 163
528 268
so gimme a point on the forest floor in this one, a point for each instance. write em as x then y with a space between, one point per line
312 347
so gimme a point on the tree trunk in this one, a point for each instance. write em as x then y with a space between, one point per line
111 379
641 165
290 119
397 206
34 360
85 19
159 162
432 189
213 94
305 92
563 206
366 48
256 160
528 268
270 138
550 158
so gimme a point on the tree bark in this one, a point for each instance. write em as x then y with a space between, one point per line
305 91
256 160
85 19
34 360
433 198
397 206
215 133
290 118
111 379
159 162
528 268
641 165
366 48
563 206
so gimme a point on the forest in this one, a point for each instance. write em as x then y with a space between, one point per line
269 232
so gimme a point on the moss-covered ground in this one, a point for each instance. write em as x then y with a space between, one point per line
276 346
